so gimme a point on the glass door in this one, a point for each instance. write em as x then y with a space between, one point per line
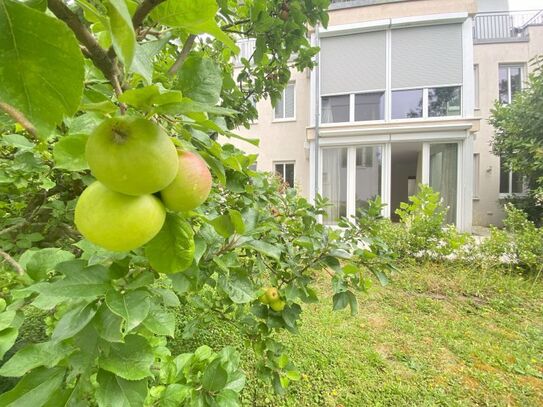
443 176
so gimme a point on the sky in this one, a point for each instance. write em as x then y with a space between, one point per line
525 4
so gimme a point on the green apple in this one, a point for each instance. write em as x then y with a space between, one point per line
191 186
272 294
2 305
131 155
115 221
264 299
277 305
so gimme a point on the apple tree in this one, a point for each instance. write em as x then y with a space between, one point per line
110 112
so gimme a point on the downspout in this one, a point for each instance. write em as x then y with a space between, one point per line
317 110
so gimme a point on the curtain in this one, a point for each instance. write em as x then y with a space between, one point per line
443 175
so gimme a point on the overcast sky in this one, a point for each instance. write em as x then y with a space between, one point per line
525 4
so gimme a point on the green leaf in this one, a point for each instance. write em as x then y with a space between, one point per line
143 62
114 391
43 261
132 306
160 321
31 356
44 76
223 225
237 221
90 282
174 395
35 389
341 300
121 31
108 325
185 13
16 140
215 377
172 249
7 339
73 322
69 153
200 79
228 398
265 248
239 288
131 360
6 319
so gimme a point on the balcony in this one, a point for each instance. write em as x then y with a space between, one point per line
504 27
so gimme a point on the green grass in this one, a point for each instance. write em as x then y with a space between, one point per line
437 335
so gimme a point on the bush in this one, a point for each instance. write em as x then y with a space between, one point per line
519 245
423 233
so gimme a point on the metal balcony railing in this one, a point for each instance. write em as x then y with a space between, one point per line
504 27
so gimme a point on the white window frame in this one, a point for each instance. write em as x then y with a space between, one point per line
476 94
352 105
283 101
425 92
508 67
284 163
510 193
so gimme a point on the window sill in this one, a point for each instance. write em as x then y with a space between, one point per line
476 198
290 119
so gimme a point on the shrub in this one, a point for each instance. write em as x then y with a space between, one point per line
519 245
423 233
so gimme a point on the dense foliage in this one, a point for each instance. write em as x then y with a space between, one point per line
110 316
518 138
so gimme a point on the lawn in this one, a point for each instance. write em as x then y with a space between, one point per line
436 335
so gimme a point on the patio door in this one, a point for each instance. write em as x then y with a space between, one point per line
441 170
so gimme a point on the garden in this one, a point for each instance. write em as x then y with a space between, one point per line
144 263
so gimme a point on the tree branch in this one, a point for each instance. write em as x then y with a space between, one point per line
143 10
182 55
20 118
97 54
12 262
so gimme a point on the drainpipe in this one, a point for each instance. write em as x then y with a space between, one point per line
317 109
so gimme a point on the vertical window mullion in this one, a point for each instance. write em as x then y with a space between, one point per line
425 103
351 107
509 84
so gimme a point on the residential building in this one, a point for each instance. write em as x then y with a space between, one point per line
401 96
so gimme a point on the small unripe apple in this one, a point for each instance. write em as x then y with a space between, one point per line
115 221
278 305
131 155
2 305
272 294
191 186
264 299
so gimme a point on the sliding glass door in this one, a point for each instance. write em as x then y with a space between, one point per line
350 177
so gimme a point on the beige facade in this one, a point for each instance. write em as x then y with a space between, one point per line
487 208
403 146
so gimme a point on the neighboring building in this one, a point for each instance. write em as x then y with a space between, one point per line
401 96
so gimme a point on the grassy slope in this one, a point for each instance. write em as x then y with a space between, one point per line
435 336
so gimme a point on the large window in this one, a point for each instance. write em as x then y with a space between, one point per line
406 104
444 101
335 109
334 183
286 171
286 107
510 82
369 106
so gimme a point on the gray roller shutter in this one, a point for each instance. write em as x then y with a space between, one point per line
352 63
427 56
